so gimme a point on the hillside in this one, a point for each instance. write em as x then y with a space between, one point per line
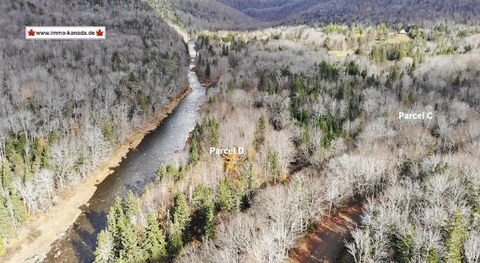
348 11
197 15
380 11
66 105
317 111
270 10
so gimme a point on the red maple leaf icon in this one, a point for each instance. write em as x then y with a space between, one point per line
31 33
99 33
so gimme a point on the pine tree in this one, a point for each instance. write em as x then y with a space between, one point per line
457 234
432 256
5 174
203 202
404 247
225 196
274 165
104 251
249 176
154 243
194 152
6 228
181 214
131 207
175 238
113 218
19 208
260 132
130 251
180 220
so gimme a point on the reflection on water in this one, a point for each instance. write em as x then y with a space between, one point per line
135 171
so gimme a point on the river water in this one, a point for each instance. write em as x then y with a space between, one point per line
133 174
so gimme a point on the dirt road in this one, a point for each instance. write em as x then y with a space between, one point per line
327 242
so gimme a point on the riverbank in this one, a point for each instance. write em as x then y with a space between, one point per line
37 235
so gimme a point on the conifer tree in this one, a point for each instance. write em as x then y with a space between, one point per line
104 251
6 229
131 208
274 166
175 238
260 132
181 214
457 234
225 196
180 220
404 247
113 218
130 251
194 152
154 243
203 202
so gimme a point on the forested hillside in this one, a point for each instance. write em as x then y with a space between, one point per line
382 11
198 15
64 105
317 111
215 14
270 9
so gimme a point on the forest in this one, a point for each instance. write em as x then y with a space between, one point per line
197 15
317 110
312 90
66 105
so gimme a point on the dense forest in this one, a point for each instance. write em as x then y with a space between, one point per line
380 11
314 100
317 110
197 15
65 105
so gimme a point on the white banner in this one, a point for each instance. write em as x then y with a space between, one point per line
65 32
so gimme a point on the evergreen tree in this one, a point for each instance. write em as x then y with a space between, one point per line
104 251
203 202
457 234
274 166
175 239
404 247
194 152
154 243
181 214
113 218
225 196
5 175
131 208
260 132
180 220
130 251
432 256
108 132
6 228
19 209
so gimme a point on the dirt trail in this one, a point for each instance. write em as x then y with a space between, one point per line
34 239
327 242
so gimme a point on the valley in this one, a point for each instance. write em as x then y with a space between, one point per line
314 131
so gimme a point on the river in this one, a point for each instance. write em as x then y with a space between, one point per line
133 174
